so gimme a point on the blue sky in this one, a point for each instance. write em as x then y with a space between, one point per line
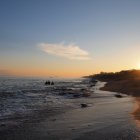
106 31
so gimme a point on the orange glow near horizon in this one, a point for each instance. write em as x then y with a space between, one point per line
63 68
66 72
47 73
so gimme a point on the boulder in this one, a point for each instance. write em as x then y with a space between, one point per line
86 94
84 105
49 83
118 95
52 83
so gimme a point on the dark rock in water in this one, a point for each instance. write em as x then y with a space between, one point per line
93 81
118 96
76 95
83 89
84 105
52 83
49 83
86 94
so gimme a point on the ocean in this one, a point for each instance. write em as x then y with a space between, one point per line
22 96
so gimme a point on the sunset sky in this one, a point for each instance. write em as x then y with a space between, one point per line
68 38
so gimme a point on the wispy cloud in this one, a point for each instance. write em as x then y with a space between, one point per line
70 51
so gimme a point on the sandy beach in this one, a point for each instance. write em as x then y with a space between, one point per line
130 88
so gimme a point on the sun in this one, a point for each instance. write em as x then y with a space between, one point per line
138 66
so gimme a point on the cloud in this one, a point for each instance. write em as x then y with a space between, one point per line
70 51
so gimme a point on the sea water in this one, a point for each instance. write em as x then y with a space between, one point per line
21 96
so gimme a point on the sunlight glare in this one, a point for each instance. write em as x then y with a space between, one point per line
138 66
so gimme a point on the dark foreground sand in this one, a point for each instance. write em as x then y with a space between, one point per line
102 122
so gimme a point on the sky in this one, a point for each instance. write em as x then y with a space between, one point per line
68 38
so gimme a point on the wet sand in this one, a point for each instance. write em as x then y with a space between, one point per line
136 112
106 117
130 88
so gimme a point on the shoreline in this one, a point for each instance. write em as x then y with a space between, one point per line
124 87
75 123
136 112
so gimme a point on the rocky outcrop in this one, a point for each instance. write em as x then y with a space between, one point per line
49 83
83 105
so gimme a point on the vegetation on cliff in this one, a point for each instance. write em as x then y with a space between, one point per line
127 81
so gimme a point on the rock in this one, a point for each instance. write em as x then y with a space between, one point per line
52 83
84 105
86 94
83 89
118 95
76 95
94 81
49 83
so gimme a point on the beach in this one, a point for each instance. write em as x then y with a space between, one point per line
105 117
128 87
